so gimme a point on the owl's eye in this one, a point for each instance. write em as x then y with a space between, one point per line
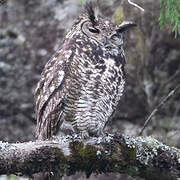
94 30
114 37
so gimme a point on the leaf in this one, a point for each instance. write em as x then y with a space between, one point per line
170 15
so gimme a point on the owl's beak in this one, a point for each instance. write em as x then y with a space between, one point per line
105 41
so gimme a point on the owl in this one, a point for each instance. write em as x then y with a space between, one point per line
82 83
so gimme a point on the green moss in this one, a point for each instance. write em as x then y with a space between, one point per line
83 158
132 154
86 159
78 148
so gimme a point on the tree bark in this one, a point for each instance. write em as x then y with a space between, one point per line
137 156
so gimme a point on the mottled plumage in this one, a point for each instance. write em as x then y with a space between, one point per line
81 84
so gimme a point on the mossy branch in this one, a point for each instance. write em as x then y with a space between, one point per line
137 156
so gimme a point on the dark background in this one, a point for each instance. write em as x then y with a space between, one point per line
31 31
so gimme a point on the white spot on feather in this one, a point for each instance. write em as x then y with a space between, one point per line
52 88
110 62
60 77
107 23
54 58
68 54
45 98
60 62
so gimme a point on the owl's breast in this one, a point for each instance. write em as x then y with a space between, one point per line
94 90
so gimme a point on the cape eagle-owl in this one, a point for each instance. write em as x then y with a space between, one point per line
82 83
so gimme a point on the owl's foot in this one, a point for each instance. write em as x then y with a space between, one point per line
84 135
80 136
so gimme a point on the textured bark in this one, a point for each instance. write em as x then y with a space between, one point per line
137 156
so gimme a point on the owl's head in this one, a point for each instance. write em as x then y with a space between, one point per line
101 29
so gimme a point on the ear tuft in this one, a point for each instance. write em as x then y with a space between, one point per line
90 9
125 25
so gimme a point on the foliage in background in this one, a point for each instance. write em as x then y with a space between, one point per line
170 14
81 2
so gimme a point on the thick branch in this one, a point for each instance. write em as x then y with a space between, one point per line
136 156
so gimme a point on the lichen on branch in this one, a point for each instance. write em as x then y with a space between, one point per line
137 156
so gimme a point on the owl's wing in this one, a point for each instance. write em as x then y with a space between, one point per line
49 94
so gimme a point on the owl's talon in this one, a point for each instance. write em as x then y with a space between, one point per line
84 134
